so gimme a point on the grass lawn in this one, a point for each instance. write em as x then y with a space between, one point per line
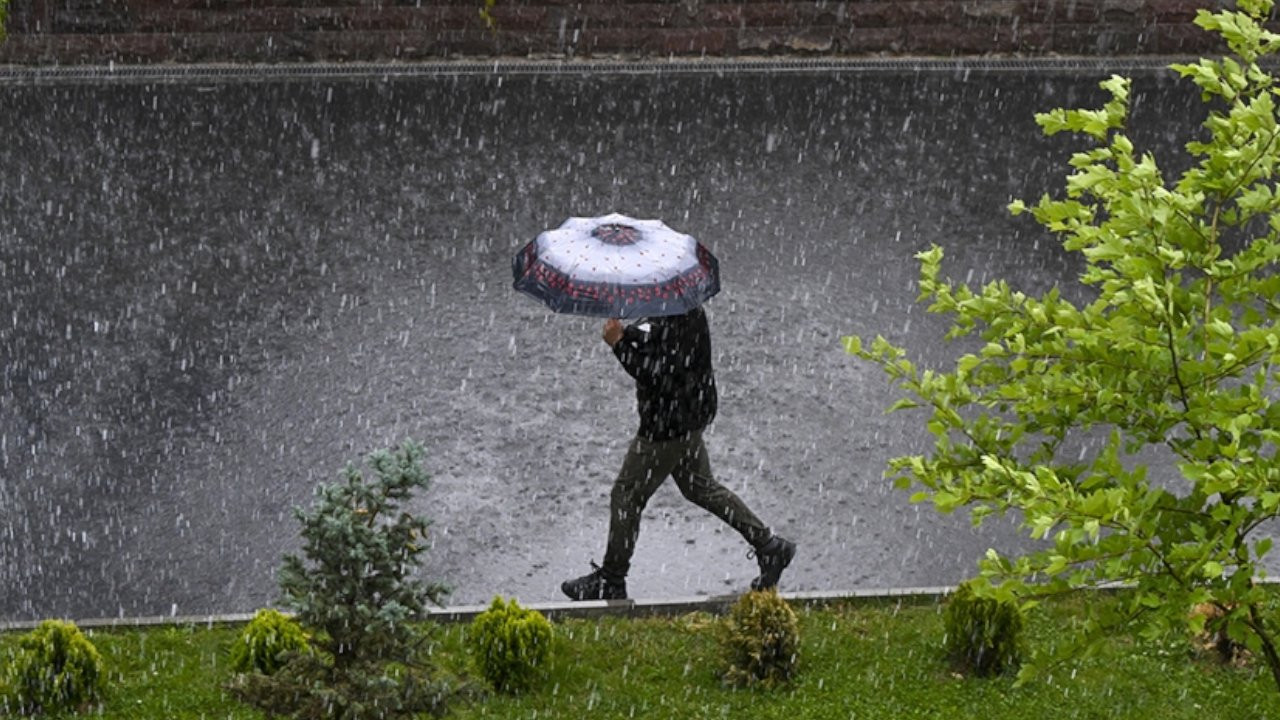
863 660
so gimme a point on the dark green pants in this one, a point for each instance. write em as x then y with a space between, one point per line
647 465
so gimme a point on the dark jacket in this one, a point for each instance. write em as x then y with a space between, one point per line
670 359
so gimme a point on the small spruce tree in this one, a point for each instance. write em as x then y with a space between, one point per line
355 594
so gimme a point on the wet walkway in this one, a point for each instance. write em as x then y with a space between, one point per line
216 289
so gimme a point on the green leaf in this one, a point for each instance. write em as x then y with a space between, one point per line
1255 8
902 404
1261 548
967 363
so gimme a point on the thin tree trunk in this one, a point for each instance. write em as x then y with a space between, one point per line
1268 646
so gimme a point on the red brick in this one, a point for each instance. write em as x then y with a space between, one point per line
108 16
522 43
722 15
228 5
1173 11
645 15
793 14
792 40
149 6
902 14
1097 40
813 41
1122 10
472 43
27 49
600 41
757 40
655 42
933 40
712 41
243 47
872 14
30 17
519 18
999 12
1070 11
1032 38
1185 39
280 19
99 49
871 40
562 3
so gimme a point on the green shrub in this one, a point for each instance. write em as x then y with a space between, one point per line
264 643
984 636
54 667
760 641
509 644
354 590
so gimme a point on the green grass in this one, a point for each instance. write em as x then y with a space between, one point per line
863 660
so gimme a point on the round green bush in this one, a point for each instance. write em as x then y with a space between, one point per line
54 667
984 636
509 644
265 640
760 641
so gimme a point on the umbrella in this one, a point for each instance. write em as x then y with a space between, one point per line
616 266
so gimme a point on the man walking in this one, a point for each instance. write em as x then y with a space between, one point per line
670 359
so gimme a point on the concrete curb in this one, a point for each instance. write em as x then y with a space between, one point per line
672 607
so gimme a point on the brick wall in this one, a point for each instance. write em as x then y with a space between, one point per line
148 31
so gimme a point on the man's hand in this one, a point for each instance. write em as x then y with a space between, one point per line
612 332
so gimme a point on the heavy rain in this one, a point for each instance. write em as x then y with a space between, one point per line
215 292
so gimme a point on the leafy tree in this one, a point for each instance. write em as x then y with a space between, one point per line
4 19
357 598
1175 353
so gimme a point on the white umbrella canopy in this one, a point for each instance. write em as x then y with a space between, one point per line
616 266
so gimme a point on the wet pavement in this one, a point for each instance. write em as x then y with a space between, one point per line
213 294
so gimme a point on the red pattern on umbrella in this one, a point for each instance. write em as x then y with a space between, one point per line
563 292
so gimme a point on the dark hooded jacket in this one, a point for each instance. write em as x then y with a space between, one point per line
670 359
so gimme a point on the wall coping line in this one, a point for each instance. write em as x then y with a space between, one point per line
261 72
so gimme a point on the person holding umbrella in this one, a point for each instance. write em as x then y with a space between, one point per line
618 267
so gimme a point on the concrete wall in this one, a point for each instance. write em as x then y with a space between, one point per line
152 31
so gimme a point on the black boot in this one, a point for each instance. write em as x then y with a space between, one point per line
773 557
595 585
